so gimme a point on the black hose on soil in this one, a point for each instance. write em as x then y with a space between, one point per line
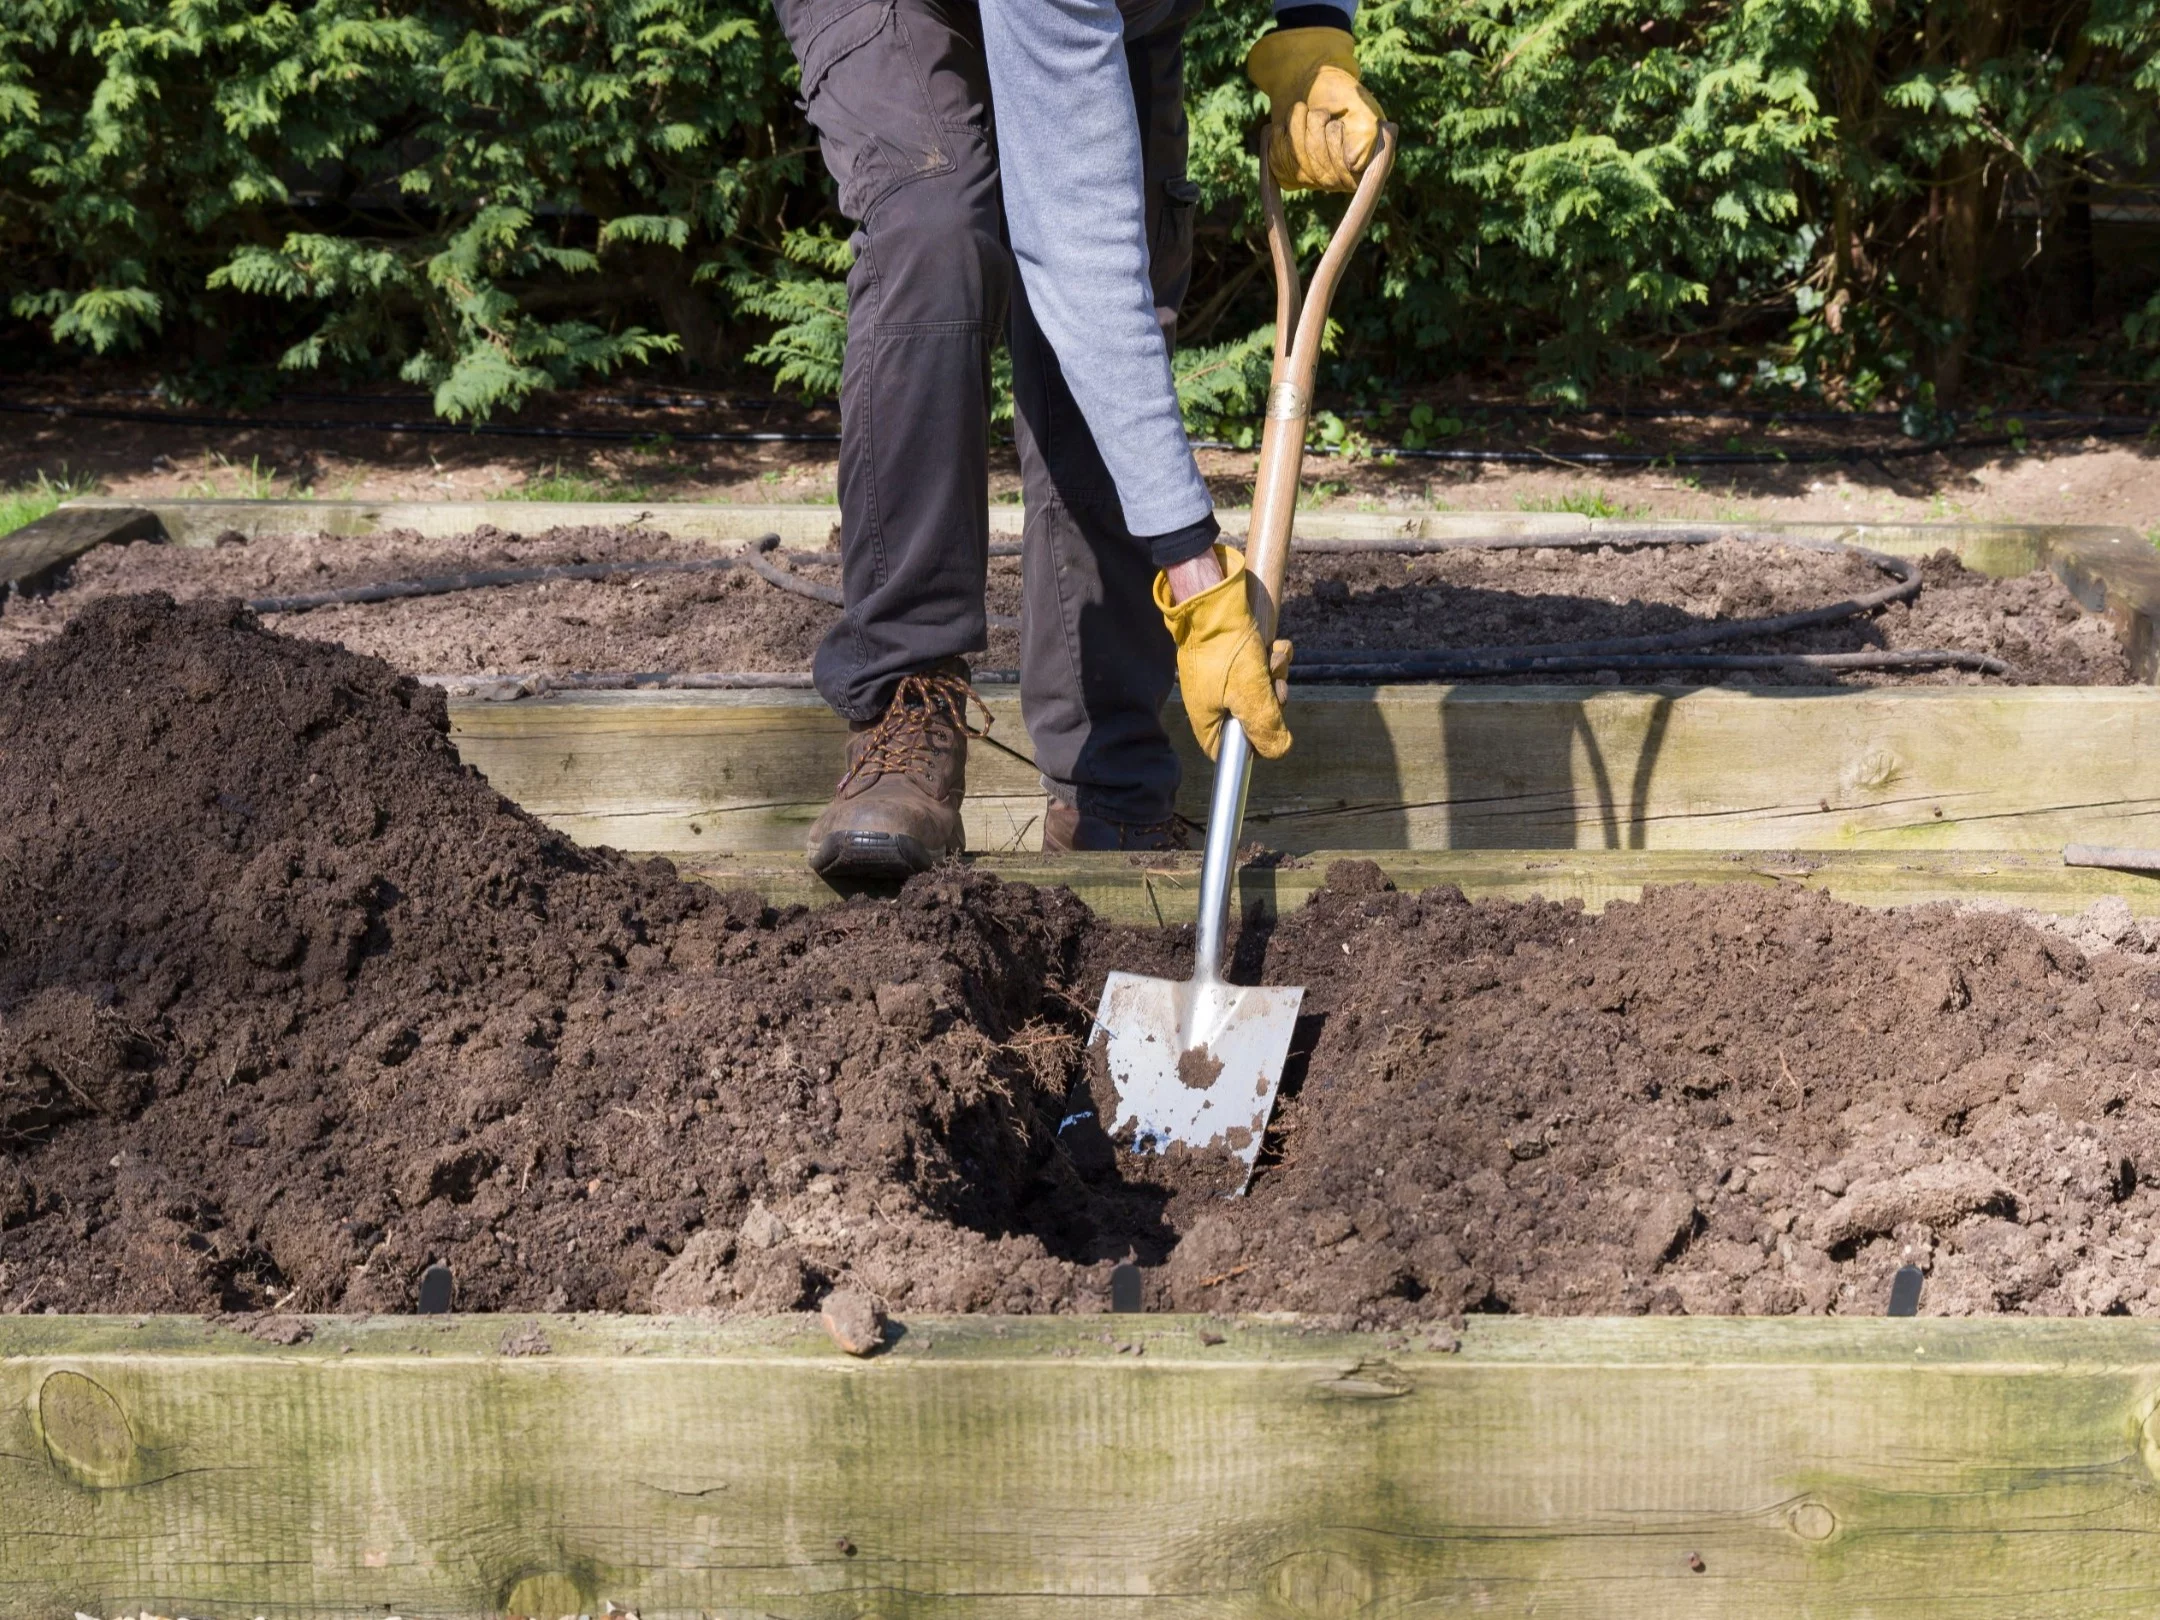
1674 650
2108 428
1347 665
1523 660
399 590
830 594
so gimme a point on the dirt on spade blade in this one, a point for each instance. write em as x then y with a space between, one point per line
293 1005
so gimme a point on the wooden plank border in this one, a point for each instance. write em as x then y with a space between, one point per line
1997 548
1068 1470
32 554
2115 572
1414 767
1165 891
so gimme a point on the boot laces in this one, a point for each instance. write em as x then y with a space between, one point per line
901 741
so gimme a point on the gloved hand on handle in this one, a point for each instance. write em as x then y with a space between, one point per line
1322 124
1222 669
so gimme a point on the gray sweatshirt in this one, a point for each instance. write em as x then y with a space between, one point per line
1069 150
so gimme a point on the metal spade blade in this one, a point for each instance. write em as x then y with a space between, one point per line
1197 1061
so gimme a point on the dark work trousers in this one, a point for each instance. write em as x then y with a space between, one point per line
900 98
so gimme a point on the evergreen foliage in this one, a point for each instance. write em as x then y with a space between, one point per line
1860 198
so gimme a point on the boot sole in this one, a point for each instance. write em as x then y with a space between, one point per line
870 857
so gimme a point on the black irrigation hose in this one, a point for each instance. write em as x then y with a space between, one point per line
1848 454
830 594
491 430
667 396
1508 660
1429 665
773 574
1751 413
398 590
1674 650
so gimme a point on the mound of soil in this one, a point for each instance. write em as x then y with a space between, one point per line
292 1005
736 621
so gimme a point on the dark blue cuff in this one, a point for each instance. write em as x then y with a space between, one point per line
1183 545
1317 15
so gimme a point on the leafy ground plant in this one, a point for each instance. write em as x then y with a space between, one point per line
21 504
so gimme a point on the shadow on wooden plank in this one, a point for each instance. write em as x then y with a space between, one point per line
1163 891
32 555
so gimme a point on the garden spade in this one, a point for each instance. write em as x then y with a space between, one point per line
1198 1062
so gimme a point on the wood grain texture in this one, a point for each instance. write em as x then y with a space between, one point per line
1932 1469
1165 891
1991 548
2115 572
32 554
1414 767
199 522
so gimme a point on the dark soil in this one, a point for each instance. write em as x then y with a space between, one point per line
736 621
292 1004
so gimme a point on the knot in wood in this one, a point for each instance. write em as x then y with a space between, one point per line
545 1596
1812 1521
86 1435
1322 1584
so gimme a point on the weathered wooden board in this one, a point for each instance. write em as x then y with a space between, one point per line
1415 767
32 554
198 523
1164 891
2115 572
1996 548
1939 1470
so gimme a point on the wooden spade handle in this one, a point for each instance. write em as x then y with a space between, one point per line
1290 384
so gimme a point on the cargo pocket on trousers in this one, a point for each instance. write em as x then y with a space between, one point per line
867 100
1170 247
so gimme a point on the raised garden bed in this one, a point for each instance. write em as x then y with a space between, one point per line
729 780
293 1006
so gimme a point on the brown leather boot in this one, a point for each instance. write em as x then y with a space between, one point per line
897 810
1066 829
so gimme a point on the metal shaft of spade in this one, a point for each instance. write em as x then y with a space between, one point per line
1195 1063
1275 493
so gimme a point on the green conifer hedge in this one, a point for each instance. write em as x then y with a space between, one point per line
492 197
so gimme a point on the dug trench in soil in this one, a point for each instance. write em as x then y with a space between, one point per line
292 1005
736 621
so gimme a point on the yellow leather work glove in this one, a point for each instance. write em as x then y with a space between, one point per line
1221 669
1322 126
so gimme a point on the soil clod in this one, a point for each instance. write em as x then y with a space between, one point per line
853 1320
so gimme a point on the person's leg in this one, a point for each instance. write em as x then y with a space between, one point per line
1096 661
900 98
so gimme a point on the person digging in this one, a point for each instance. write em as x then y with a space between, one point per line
1018 169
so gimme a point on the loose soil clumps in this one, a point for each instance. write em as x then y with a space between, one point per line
292 1005
736 621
